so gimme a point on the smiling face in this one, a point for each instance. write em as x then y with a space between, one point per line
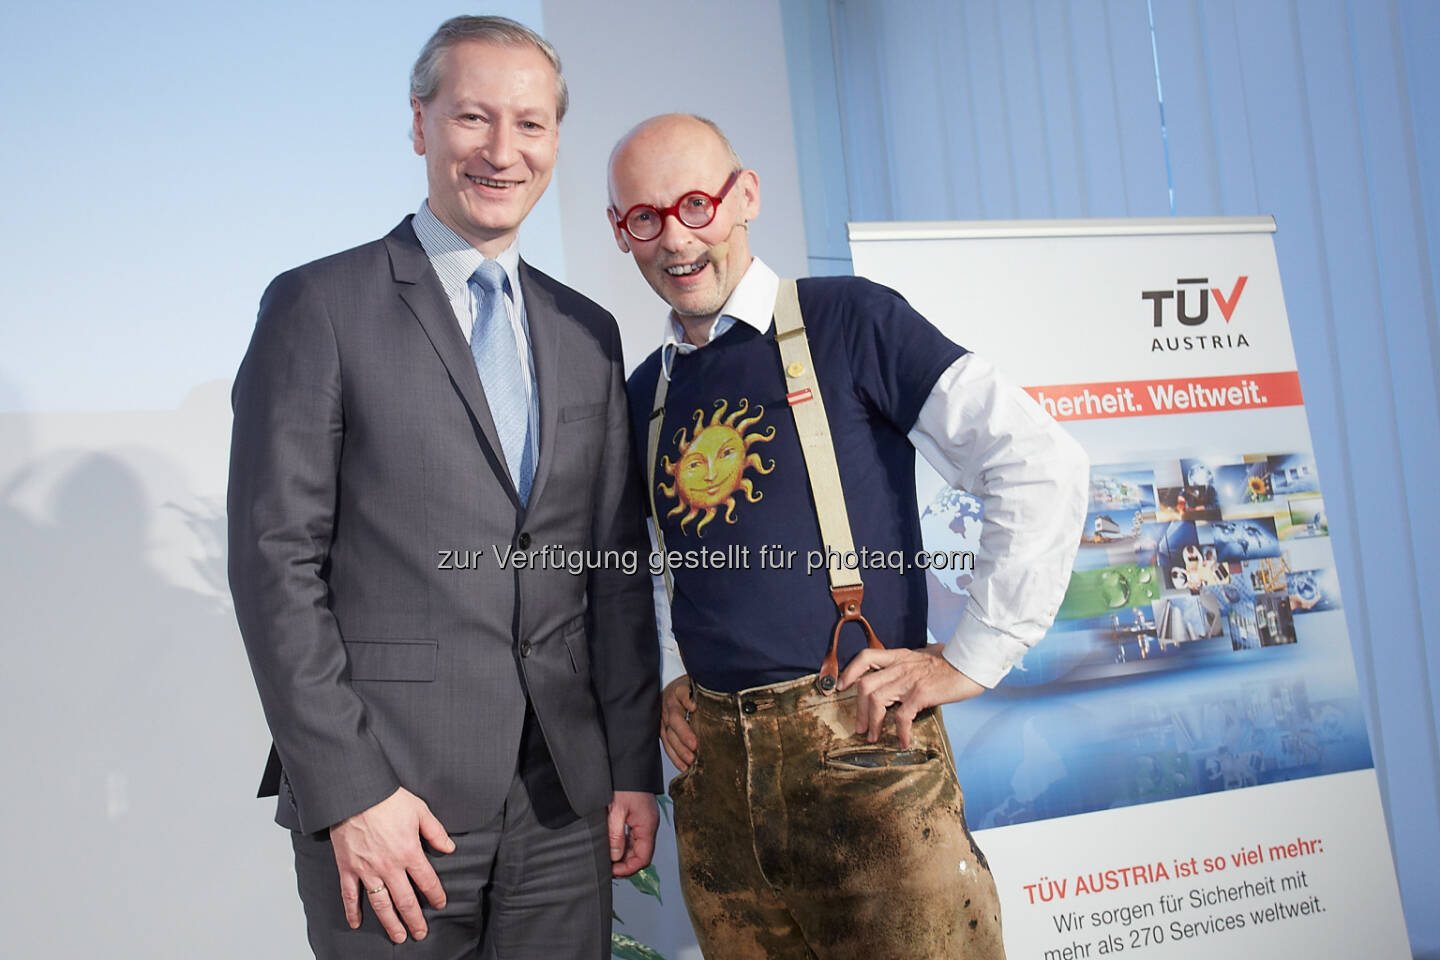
489 138
709 469
693 270
714 456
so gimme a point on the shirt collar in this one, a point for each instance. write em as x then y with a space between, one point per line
454 259
751 302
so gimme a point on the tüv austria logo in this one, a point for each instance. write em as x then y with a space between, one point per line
1178 315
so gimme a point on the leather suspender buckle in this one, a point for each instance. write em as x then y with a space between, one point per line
847 603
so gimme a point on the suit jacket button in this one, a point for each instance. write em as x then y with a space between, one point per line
524 648
524 541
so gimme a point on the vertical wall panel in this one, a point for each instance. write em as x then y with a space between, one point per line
1069 170
1366 428
1406 338
1335 161
1025 112
990 116
810 66
1225 72
910 102
1147 191
1419 39
1402 251
964 194
858 70
1098 118
1419 29
1180 49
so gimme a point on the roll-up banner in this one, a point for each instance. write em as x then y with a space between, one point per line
1181 767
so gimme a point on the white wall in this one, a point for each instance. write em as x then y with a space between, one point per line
739 82
133 735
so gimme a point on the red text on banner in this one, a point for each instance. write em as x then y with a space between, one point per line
1145 398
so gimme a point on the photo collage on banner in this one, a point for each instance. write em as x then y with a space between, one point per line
1187 569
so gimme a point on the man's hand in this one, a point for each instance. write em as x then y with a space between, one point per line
378 851
634 818
676 705
916 679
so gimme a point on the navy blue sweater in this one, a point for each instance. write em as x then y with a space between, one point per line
729 479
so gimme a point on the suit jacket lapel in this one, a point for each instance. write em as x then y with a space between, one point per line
545 320
423 294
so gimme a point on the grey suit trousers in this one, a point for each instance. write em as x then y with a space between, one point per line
547 896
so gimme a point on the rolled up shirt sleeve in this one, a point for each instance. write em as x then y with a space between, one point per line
985 435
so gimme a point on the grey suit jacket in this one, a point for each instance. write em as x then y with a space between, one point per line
362 451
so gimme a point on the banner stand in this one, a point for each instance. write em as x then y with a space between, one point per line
1181 767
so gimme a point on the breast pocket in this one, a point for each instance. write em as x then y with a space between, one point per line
581 411
397 660
579 446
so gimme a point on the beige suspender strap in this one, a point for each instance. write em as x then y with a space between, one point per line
802 390
652 448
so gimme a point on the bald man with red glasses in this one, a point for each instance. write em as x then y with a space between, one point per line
818 812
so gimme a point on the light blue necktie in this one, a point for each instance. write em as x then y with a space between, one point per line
492 343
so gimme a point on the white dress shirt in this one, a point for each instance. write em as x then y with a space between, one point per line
982 434
455 262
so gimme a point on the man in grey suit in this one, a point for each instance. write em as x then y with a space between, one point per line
423 685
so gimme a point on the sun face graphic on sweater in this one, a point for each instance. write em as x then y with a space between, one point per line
713 458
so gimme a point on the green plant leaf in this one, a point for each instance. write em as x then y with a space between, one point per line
615 916
647 881
664 802
628 948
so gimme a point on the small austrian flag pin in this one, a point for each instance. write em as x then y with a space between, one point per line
799 396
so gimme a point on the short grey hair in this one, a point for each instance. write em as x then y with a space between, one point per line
425 75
